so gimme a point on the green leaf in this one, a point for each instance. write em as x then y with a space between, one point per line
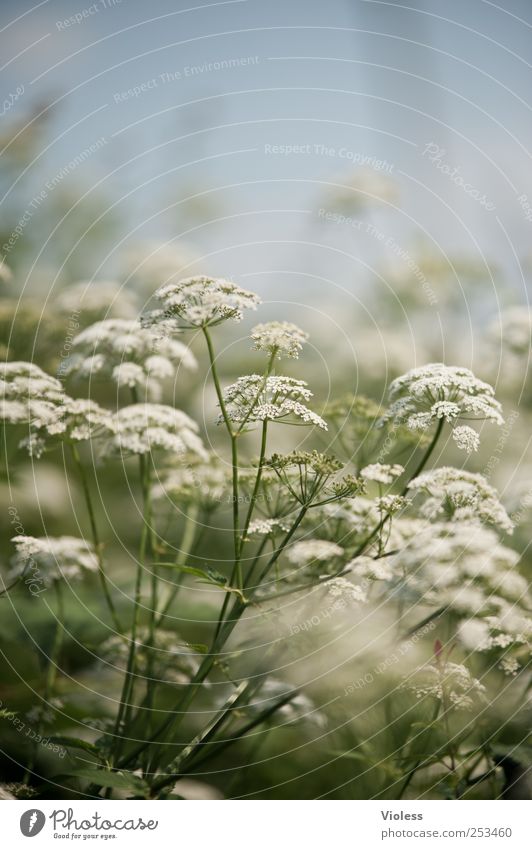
105 778
76 743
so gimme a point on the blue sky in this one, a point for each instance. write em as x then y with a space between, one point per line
378 79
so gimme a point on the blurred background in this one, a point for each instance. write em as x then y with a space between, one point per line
363 165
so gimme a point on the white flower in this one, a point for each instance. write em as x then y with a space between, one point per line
255 398
341 588
437 392
49 559
142 428
129 354
391 503
305 552
279 338
466 438
460 494
76 420
199 480
267 527
200 302
95 300
382 472
370 569
514 330
450 683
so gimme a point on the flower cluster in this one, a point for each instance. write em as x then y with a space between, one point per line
96 300
255 398
54 557
28 395
143 428
382 473
515 330
200 481
200 302
129 354
462 566
437 392
307 552
279 338
37 400
451 683
464 496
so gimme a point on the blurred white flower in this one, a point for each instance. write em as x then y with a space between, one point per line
279 338
255 398
305 552
129 354
143 428
54 557
450 683
466 496
382 472
200 480
513 330
95 300
342 588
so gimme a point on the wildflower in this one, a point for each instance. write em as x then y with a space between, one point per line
129 354
279 338
267 527
200 302
466 438
342 588
391 503
460 494
381 472
142 428
28 395
255 398
438 392
94 300
514 330
33 398
305 552
202 481
450 683
54 557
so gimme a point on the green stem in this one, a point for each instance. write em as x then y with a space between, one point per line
124 709
187 543
95 536
51 674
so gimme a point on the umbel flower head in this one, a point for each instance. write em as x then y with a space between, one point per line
438 392
279 338
28 395
202 481
200 302
256 398
76 420
460 495
52 558
129 354
143 428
